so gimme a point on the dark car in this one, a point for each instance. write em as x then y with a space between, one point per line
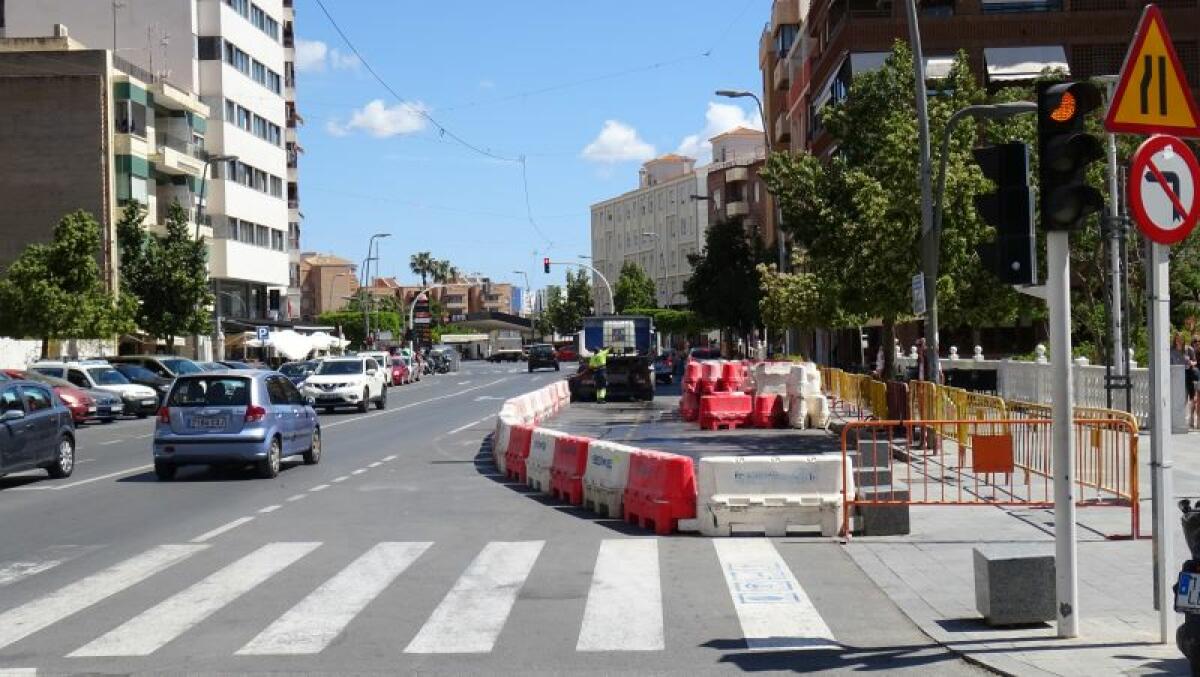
297 372
234 364
542 356
86 404
167 366
143 376
36 430
704 354
506 356
664 367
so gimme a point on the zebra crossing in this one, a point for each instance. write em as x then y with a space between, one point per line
623 612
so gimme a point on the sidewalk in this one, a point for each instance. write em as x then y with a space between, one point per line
929 574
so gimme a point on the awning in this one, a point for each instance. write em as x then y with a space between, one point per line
935 66
1023 63
463 338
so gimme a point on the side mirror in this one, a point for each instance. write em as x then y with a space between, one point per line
12 415
310 401
372 372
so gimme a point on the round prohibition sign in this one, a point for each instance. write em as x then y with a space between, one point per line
1163 174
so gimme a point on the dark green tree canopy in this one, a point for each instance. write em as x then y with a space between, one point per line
724 287
634 288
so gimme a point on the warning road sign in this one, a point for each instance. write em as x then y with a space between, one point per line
1162 189
1152 96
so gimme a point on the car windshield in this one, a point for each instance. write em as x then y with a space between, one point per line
294 369
134 371
541 351
107 376
210 391
341 367
45 378
181 366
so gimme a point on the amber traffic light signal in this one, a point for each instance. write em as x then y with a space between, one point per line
1065 151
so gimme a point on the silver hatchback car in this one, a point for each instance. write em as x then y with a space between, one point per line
234 417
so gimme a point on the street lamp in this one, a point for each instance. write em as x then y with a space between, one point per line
931 242
366 280
200 205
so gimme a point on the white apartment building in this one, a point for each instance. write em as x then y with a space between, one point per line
236 55
657 226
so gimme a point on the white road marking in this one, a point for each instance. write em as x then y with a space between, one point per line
342 478
228 526
376 464
18 672
393 410
117 441
127 471
463 383
358 471
389 458
270 508
150 630
774 611
469 425
297 497
473 613
53 556
624 606
319 487
319 618
20 622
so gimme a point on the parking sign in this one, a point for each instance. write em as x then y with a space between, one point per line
262 333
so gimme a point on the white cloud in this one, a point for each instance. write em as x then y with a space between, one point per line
310 55
617 142
381 120
343 61
719 118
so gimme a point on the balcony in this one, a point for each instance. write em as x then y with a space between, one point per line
171 97
737 174
782 75
736 209
178 157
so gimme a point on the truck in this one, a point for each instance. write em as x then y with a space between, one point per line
630 340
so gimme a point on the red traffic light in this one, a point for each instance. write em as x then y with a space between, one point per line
546 264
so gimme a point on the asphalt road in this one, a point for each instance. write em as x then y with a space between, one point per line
403 552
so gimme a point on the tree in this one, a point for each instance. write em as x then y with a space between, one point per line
168 274
724 287
634 289
443 272
578 302
422 263
545 323
351 323
55 290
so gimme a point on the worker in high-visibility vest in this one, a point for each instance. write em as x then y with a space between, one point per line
598 363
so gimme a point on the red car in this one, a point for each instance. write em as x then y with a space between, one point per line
81 404
400 373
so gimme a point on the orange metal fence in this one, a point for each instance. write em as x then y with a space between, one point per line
993 461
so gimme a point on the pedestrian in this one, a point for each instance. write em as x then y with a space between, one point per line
1192 353
1184 354
599 365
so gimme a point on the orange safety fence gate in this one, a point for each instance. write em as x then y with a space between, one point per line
996 462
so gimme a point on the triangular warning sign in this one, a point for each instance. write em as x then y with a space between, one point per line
1152 96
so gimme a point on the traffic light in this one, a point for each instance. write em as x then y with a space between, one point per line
546 264
1011 256
1064 152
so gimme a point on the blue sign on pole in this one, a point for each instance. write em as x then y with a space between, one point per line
263 333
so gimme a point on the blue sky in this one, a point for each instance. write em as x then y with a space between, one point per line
373 164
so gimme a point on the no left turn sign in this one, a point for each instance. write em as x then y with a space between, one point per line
1162 189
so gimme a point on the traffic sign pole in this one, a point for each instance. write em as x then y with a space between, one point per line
1066 575
1160 422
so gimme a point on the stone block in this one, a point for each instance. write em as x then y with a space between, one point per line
874 452
1014 583
884 520
866 476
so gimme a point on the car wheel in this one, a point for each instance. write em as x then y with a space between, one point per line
555 366
106 421
531 370
268 468
365 401
381 403
165 471
313 455
142 414
64 459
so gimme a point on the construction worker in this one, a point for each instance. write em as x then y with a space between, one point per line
598 363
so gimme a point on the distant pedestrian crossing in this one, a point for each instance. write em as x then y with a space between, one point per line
623 612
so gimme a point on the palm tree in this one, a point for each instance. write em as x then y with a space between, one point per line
422 263
443 272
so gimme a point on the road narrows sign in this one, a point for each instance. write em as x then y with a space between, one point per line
1163 174
1152 95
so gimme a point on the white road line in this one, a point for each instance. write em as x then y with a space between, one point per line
127 471
319 487
20 622
624 606
105 444
319 618
469 425
473 613
388 458
18 672
16 571
342 478
463 383
228 526
147 632
270 508
774 611
297 497
392 410
376 464
358 471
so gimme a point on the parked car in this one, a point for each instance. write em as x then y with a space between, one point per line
542 356
236 417
664 367
298 372
566 351
400 373
167 366
144 377
86 404
211 366
506 356
36 430
704 354
234 364
136 400
413 362
348 381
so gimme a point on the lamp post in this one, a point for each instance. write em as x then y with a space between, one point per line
200 207
371 247
931 241
219 339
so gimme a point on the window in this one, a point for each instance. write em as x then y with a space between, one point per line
276 186
247 233
78 379
233 230
208 48
237 58
243 118
261 237
230 110
131 118
209 391
10 400
274 82
260 73
275 390
277 240
240 6
36 399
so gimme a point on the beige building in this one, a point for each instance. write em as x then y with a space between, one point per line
458 299
326 282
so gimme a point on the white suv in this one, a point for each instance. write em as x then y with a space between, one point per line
136 399
348 381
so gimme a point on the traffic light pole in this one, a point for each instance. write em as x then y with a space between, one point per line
612 306
930 239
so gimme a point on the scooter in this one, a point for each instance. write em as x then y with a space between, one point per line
1187 588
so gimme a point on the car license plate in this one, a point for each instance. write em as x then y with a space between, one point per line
328 397
1187 593
208 422
149 402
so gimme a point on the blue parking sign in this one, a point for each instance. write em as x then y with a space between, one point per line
263 333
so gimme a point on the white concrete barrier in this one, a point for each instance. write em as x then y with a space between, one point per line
819 411
804 380
797 411
504 424
541 458
606 477
771 378
770 493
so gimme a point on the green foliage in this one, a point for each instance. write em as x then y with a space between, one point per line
438 332
723 287
168 275
444 272
422 264
669 321
634 288
564 311
543 324
55 290
351 323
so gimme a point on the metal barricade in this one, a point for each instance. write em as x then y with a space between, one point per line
875 396
997 462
